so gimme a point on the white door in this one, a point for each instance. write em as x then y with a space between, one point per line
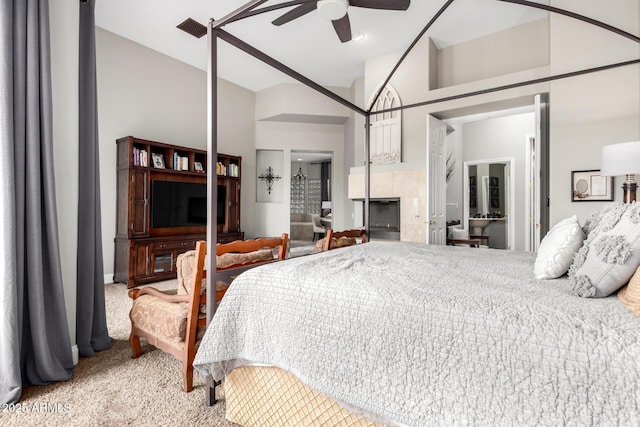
436 181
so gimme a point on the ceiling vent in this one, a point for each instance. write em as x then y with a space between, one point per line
193 27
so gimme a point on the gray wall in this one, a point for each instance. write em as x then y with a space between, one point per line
152 96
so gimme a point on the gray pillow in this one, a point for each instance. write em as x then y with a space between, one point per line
608 260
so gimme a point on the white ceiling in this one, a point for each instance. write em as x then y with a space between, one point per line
309 44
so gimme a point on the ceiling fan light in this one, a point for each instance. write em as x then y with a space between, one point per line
332 9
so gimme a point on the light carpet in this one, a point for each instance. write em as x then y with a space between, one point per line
113 389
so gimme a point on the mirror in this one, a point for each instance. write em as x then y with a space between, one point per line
489 201
487 190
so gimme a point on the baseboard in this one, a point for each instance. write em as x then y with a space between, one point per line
75 354
108 278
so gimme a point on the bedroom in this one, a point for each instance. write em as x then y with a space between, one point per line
588 111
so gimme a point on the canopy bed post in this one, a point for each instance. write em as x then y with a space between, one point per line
367 171
212 190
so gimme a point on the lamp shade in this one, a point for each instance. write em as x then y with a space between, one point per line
326 204
621 159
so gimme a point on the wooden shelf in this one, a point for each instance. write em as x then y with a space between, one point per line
144 253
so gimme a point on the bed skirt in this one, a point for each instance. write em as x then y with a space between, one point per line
264 396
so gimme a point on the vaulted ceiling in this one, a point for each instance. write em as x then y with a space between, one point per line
308 44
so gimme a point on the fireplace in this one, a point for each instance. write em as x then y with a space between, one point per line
384 218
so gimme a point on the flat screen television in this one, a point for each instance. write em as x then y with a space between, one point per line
182 204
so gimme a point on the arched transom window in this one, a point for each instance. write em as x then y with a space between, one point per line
386 129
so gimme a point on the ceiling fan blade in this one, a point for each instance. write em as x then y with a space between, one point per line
295 13
382 4
343 28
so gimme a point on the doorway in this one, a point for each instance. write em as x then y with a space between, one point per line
310 206
498 135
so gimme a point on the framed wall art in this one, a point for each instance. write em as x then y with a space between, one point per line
590 186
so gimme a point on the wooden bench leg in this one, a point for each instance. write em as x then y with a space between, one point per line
134 340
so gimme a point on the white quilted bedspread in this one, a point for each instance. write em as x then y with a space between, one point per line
419 335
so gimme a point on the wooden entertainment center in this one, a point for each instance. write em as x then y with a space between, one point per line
161 206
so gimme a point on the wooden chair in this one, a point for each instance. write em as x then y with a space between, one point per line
159 317
235 257
337 235
175 321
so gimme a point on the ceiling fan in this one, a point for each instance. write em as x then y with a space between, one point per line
336 11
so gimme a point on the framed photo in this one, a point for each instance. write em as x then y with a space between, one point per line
158 160
197 166
494 181
590 186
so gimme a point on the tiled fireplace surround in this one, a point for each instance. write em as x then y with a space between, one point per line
407 185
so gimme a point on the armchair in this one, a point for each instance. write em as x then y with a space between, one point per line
170 321
174 321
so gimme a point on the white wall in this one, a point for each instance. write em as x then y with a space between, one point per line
273 159
64 17
295 99
152 96
494 55
594 110
273 218
587 112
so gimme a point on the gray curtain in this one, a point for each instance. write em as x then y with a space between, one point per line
34 340
91 321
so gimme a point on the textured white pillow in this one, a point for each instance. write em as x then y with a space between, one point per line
558 248
611 257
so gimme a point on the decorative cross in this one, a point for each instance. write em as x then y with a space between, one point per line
269 177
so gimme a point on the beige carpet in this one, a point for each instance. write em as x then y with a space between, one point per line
112 389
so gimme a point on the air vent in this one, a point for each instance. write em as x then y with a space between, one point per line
193 27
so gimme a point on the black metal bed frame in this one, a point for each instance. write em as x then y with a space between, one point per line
252 8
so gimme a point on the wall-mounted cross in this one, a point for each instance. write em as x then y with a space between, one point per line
269 177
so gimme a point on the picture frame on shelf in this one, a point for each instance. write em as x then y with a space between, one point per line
197 166
590 186
158 160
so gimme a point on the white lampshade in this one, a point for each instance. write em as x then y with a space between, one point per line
621 159
326 204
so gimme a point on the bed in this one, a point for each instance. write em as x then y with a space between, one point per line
408 334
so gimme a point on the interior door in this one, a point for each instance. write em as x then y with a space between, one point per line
436 181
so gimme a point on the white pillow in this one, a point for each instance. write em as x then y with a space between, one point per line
558 248
612 257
